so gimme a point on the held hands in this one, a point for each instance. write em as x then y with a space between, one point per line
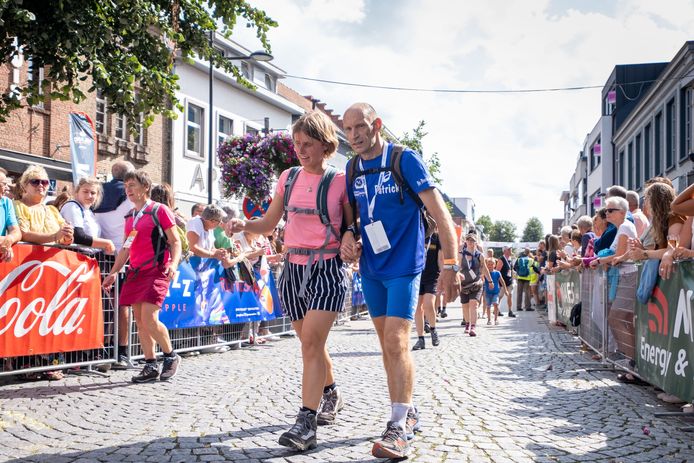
350 249
64 235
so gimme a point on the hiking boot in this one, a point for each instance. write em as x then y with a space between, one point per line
150 372
301 436
170 367
123 363
435 338
413 424
419 345
331 403
427 327
511 314
393 443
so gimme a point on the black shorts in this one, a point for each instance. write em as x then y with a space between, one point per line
469 295
428 284
326 288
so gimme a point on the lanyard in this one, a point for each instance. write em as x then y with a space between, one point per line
381 175
140 213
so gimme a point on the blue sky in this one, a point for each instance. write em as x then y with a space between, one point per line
513 154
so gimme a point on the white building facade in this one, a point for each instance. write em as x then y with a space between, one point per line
235 111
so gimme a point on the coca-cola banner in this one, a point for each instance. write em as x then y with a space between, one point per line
50 301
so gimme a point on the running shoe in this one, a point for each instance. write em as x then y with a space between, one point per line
489 322
511 315
170 367
393 443
419 345
435 338
331 403
150 372
443 313
472 330
301 436
467 327
427 327
413 424
123 363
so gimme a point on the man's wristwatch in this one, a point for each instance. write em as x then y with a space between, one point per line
454 267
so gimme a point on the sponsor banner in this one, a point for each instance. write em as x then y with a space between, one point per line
567 293
50 301
665 334
551 298
202 294
591 329
82 146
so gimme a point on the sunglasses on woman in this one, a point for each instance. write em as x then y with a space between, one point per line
38 181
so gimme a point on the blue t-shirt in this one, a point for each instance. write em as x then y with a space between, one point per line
495 274
401 221
7 215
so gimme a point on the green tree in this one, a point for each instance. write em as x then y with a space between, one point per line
414 141
127 47
488 226
503 230
533 230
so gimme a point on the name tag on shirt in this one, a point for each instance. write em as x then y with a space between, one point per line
130 239
377 237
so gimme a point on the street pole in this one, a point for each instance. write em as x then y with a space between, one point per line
210 166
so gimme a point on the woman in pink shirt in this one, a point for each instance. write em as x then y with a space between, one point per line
313 284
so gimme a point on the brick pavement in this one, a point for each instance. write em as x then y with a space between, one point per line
490 398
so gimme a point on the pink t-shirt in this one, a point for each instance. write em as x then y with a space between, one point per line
142 248
306 230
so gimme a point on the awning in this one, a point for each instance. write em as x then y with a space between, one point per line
18 162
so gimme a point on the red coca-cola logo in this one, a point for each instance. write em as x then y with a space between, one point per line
50 301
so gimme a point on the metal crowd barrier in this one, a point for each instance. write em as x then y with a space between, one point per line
183 340
81 359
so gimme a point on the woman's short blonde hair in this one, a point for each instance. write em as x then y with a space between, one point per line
91 181
33 171
317 125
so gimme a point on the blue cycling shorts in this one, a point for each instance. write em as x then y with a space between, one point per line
396 297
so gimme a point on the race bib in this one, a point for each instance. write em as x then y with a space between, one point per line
129 240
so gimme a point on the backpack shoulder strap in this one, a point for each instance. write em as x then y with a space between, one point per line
350 173
78 205
288 186
322 194
396 169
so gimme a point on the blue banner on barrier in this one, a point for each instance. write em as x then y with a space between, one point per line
201 295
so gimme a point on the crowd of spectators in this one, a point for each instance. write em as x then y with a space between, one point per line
92 215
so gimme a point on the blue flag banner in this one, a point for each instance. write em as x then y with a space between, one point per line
82 146
201 294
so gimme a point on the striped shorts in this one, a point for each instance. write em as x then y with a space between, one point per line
326 288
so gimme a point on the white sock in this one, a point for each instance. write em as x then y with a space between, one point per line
398 414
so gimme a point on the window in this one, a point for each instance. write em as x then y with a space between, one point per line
225 129
647 152
246 70
670 141
101 113
620 169
658 145
35 77
269 82
595 154
121 131
194 130
630 166
685 122
139 130
251 130
609 103
638 180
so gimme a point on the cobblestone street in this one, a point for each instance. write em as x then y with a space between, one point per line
513 394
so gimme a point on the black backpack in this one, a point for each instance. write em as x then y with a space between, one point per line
395 169
159 241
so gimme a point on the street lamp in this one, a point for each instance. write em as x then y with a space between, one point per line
259 55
